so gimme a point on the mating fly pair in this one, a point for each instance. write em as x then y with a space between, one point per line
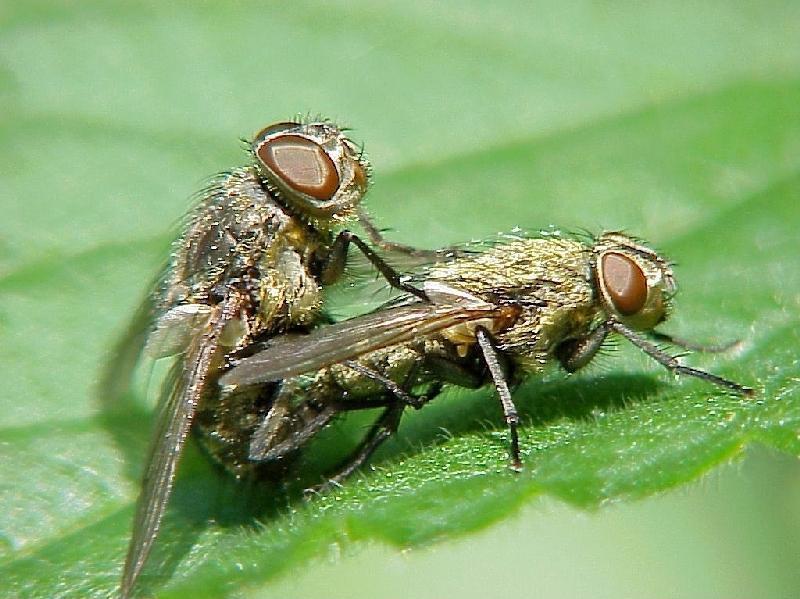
258 372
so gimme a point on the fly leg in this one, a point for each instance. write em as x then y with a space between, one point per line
384 427
288 426
389 384
262 451
376 237
276 437
334 264
671 363
445 371
577 353
490 356
381 430
265 444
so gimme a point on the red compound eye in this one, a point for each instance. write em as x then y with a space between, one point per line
624 282
301 164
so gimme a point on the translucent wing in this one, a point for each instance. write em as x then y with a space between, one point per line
289 356
117 374
172 427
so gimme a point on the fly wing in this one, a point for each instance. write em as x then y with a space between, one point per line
289 356
117 373
172 427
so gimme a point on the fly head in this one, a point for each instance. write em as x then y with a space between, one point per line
314 168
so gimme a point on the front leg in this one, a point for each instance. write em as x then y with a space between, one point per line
671 363
334 264
577 353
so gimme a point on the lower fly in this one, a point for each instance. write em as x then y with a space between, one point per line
494 317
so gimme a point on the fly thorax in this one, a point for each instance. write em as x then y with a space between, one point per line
298 236
234 333
289 295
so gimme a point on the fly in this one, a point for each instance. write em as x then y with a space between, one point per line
493 317
251 262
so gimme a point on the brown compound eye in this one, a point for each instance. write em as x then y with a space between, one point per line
301 164
276 128
624 282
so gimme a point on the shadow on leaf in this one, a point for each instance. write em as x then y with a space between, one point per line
539 402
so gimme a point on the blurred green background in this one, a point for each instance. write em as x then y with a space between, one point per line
676 121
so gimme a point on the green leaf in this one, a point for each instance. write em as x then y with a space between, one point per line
676 123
